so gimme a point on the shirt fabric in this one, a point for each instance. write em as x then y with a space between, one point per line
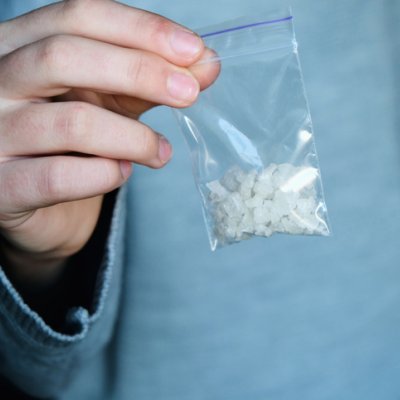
282 318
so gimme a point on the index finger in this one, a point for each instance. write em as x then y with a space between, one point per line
107 21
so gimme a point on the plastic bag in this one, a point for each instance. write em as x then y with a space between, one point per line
251 139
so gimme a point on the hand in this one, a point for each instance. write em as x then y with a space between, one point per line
74 78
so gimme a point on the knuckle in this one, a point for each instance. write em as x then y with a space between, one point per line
136 71
75 10
55 53
9 128
52 185
146 143
159 27
111 176
155 27
72 124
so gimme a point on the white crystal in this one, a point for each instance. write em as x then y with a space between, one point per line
218 192
255 201
280 198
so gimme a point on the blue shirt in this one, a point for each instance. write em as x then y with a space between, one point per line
283 318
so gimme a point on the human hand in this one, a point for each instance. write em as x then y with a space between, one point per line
74 78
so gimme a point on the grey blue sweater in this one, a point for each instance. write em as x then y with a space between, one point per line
148 312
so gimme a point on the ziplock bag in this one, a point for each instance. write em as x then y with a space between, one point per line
250 136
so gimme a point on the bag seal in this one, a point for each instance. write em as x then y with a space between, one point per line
241 27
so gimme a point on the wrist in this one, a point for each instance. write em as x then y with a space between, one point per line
27 270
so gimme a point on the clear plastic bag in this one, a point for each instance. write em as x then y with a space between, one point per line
250 136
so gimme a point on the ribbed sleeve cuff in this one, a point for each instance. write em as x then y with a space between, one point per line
32 352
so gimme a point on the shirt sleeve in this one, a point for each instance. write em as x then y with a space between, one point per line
41 359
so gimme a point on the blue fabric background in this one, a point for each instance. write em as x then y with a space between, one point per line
289 317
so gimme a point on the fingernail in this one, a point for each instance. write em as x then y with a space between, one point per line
182 87
126 168
164 149
186 43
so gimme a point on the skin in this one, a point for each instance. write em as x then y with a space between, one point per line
74 79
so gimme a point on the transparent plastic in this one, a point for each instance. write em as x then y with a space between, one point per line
251 138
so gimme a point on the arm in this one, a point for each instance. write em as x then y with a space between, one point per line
73 82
